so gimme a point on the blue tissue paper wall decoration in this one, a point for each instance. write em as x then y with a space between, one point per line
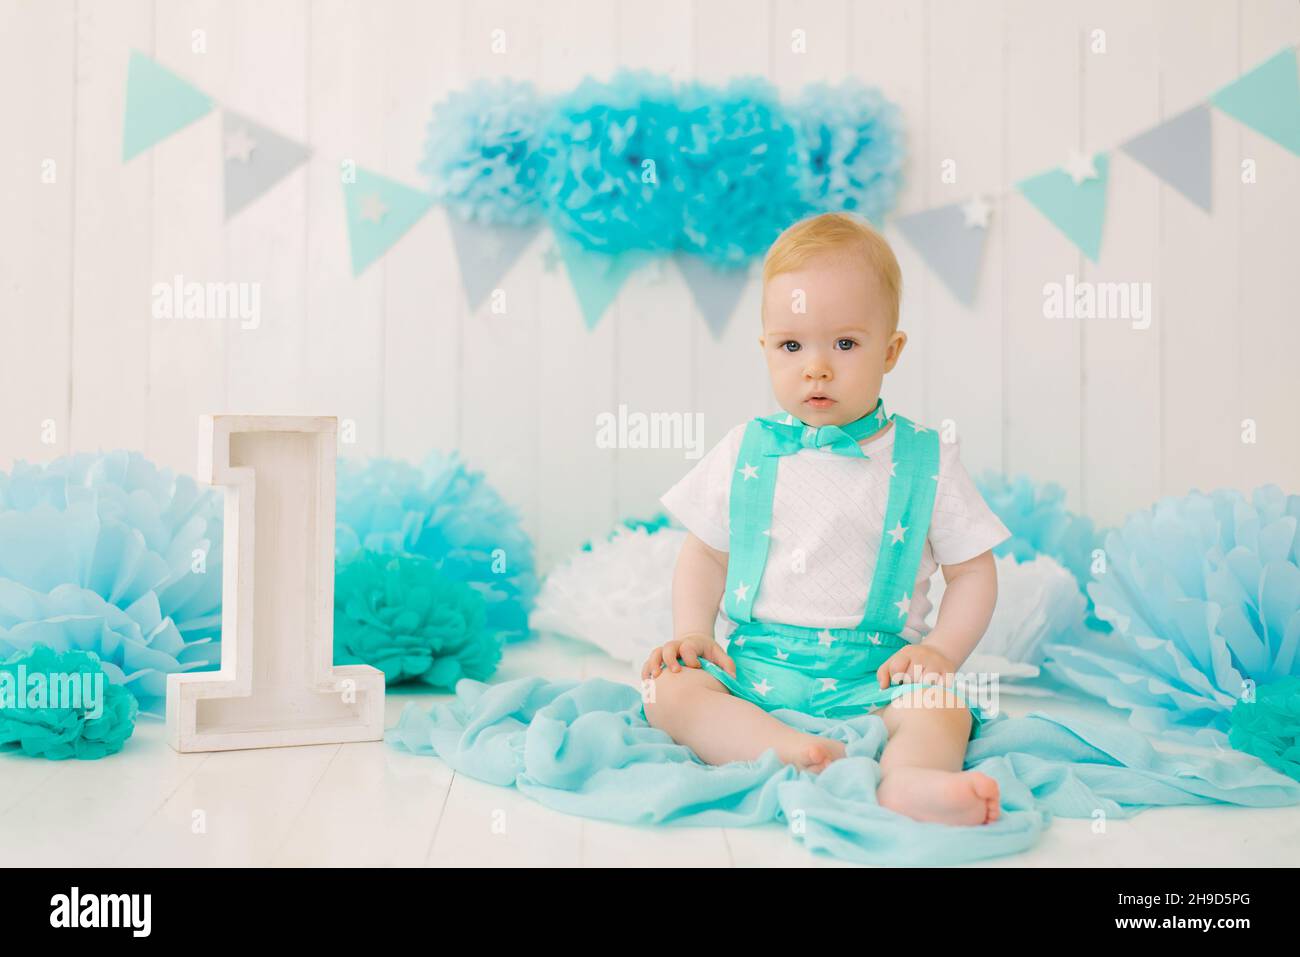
637 162
106 553
448 514
1203 593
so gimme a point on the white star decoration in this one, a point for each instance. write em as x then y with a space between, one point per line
898 531
874 637
918 428
826 637
373 208
749 471
737 641
976 210
1080 167
892 473
741 591
240 145
762 687
902 604
782 655
828 684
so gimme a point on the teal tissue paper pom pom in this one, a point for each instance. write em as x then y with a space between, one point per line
49 725
481 154
398 614
105 552
1040 524
449 514
1203 595
1269 726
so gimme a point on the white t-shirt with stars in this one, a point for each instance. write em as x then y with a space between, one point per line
827 513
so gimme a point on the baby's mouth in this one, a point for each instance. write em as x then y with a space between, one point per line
819 401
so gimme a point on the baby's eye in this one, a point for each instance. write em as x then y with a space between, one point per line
844 348
790 342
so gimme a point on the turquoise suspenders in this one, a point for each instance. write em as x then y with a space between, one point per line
912 484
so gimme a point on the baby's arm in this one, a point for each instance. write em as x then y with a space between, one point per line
698 581
966 608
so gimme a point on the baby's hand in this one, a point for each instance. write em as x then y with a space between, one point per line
914 663
691 649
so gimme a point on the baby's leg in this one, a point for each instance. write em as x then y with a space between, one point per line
698 711
921 773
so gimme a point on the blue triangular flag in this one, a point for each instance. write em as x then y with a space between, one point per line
597 277
158 103
715 291
1267 99
1078 210
380 211
255 159
948 246
486 253
1178 151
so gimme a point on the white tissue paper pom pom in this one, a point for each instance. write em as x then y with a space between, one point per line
617 596
1037 600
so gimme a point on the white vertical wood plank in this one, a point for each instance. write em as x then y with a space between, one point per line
38 111
423 368
1121 364
266 241
1270 320
112 269
890 50
1042 370
187 355
1198 320
729 376
654 329
576 366
499 350
345 313
963 352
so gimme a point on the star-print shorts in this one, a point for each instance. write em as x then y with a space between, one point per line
827 673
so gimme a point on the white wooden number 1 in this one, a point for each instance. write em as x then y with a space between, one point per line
277 685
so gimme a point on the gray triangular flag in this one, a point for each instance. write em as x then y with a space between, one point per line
255 159
1178 151
948 246
715 291
486 253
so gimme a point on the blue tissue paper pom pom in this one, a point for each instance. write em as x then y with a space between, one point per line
1203 593
97 724
482 152
448 514
612 180
106 553
851 145
739 163
1040 524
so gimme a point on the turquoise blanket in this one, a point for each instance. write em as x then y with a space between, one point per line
584 747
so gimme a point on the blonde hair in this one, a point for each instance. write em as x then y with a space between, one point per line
829 232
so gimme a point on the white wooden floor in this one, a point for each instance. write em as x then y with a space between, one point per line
370 804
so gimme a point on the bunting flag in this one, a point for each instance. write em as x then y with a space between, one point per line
158 103
715 291
596 277
951 241
1267 99
1074 199
485 254
379 212
1178 151
254 159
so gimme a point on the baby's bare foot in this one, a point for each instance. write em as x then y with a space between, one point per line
946 797
808 752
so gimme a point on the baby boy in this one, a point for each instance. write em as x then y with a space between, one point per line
816 530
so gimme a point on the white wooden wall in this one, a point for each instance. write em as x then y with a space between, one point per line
1006 88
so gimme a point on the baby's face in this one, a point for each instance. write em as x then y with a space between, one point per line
826 333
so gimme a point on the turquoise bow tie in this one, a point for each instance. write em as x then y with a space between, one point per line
787 435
